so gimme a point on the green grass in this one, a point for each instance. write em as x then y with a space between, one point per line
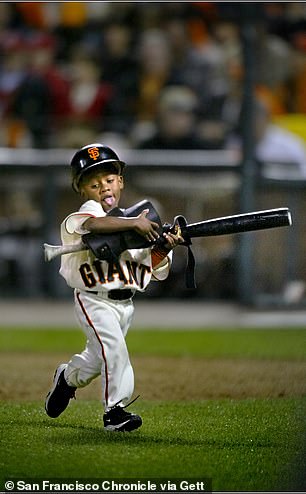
245 445
246 343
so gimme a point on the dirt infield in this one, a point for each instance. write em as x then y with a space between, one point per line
28 377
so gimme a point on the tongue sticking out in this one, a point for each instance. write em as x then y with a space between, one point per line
109 200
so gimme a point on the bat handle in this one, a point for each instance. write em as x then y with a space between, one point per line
52 251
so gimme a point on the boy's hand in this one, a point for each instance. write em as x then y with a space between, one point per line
145 227
172 240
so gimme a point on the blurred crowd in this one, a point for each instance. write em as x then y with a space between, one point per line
154 74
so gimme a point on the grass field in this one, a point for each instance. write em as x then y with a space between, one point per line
228 405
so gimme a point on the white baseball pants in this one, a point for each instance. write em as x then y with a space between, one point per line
105 323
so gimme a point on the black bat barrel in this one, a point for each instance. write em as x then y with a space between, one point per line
257 220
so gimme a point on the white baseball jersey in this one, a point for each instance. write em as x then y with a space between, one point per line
83 271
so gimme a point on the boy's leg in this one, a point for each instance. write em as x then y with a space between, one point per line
85 369
105 324
106 354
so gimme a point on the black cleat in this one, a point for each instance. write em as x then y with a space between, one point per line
61 393
117 419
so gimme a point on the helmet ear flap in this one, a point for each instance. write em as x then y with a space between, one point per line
91 156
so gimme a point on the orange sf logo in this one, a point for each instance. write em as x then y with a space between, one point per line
93 153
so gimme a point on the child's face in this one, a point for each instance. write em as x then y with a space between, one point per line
103 187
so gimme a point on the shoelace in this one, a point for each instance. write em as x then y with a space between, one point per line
125 406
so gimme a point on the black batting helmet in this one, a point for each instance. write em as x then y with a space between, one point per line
91 156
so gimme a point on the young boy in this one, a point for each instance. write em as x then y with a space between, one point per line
103 291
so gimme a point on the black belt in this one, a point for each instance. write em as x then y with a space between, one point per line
123 294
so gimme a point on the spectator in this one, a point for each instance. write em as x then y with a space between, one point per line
71 27
202 68
176 121
200 62
40 98
276 144
86 103
155 66
44 65
13 72
273 143
40 89
120 69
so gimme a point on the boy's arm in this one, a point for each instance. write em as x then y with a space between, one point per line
160 252
110 224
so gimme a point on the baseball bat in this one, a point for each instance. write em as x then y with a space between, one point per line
239 223
256 220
